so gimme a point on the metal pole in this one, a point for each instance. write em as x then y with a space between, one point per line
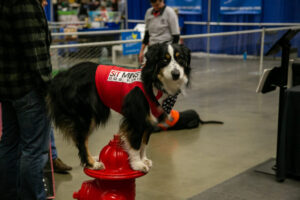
92 33
51 10
93 44
126 14
290 74
241 24
208 26
262 42
238 32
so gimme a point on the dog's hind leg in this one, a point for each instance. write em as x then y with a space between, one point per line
85 155
92 163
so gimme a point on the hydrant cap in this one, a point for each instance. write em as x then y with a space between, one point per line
115 160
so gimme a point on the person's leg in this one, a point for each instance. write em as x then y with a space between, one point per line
58 165
9 153
0 121
35 131
53 146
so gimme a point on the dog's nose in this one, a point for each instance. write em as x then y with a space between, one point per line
175 74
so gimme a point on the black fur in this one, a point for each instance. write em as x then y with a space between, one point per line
74 104
150 71
135 110
190 119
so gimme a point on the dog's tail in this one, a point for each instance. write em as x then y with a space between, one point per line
191 118
210 122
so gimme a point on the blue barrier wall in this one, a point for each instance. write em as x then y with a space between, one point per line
279 11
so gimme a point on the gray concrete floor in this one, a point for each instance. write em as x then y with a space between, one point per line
188 162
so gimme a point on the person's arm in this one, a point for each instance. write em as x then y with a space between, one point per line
175 39
141 54
31 32
146 38
174 26
144 44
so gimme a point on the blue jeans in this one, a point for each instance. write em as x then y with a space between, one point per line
24 148
53 146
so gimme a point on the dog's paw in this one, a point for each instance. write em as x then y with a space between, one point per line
97 166
147 162
140 166
96 158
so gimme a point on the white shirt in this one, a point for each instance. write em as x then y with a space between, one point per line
162 27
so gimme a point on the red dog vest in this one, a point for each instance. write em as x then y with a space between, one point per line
114 83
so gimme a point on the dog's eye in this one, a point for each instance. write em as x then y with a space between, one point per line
181 61
165 61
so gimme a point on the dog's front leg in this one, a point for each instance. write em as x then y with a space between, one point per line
135 126
144 158
136 162
135 158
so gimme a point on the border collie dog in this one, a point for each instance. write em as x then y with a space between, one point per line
80 98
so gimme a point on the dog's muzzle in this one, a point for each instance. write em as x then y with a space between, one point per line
175 74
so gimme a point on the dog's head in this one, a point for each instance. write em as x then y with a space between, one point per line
167 68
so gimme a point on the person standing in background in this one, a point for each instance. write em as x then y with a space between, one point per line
83 10
161 26
25 73
115 5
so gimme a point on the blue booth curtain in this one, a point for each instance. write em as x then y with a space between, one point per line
235 44
137 10
276 11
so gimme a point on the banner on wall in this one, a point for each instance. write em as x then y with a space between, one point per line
186 6
232 7
131 48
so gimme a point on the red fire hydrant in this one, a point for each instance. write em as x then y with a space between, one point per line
116 181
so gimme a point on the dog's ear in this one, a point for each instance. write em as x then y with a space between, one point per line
187 54
150 70
152 54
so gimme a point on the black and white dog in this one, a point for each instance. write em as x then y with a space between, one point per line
80 99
